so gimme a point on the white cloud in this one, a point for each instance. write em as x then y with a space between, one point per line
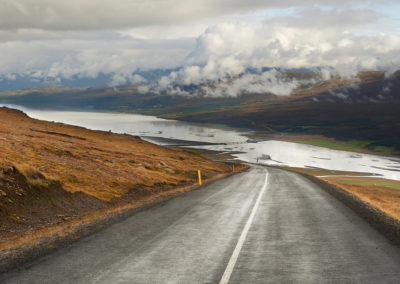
68 57
55 39
270 82
228 49
119 14
127 78
224 50
318 19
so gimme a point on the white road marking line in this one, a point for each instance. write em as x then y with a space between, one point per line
231 264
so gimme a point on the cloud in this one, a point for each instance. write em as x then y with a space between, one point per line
318 19
270 82
66 39
12 77
121 14
123 79
227 50
69 57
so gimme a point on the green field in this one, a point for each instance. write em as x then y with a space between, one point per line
352 145
390 185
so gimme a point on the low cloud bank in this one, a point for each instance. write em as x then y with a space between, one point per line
268 82
218 61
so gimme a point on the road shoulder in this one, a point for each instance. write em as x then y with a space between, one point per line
377 218
88 225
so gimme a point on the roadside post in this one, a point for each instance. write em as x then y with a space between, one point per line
199 176
233 168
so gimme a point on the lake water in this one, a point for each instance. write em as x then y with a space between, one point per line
266 152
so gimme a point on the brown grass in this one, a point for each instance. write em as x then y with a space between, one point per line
321 172
54 176
68 228
101 164
383 194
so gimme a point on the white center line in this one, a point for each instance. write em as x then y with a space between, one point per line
229 268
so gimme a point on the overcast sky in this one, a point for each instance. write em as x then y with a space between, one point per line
210 39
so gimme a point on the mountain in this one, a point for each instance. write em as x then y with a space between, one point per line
362 108
15 81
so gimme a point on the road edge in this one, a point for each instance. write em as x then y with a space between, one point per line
18 257
383 223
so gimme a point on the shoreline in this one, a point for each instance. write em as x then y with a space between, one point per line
246 132
295 137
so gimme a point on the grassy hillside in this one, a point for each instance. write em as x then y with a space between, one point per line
52 172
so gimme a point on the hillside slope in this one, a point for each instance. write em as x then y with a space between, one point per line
364 108
52 172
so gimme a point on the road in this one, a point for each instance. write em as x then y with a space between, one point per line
259 226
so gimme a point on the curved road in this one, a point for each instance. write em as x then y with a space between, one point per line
259 226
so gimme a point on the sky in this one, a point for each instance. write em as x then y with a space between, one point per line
199 41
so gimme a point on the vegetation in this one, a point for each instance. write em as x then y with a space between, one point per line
52 172
367 119
386 150
380 193
322 172
383 194
371 183
352 145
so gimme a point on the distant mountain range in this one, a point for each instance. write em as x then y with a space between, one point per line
29 80
15 81
363 108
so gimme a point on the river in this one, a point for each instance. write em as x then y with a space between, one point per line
227 140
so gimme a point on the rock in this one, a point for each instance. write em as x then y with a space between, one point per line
10 170
169 171
3 193
162 164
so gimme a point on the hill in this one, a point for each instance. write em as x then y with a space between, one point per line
364 108
51 173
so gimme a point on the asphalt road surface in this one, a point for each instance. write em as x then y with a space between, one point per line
259 226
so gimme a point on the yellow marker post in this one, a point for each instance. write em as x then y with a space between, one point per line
233 168
199 176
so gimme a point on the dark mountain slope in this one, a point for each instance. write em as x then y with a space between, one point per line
364 108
